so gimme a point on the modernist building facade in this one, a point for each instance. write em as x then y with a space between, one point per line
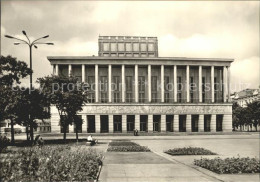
132 88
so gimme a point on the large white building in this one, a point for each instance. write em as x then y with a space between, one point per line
133 88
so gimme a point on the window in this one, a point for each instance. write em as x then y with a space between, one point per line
179 95
128 55
121 47
113 54
141 86
166 89
113 47
91 92
143 55
143 47
154 88
128 46
192 89
129 89
215 89
136 55
116 89
136 46
150 47
105 46
103 89
203 89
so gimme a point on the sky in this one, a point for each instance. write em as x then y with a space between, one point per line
201 29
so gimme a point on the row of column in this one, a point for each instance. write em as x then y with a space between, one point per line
226 123
226 80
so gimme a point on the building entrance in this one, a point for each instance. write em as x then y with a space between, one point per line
104 123
130 123
182 123
91 124
143 123
118 123
156 123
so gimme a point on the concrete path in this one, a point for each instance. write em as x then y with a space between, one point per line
147 166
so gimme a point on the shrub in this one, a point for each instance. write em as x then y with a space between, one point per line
51 163
189 151
134 148
4 143
230 165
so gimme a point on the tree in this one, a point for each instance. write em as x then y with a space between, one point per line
68 95
32 106
254 110
11 71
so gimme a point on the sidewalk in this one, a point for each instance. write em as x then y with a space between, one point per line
147 166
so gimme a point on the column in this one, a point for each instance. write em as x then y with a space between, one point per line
227 123
96 83
201 123
55 120
109 83
83 73
188 83
163 123
200 83
224 84
123 83
149 84
124 128
188 123
97 123
110 123
136 84
56 69
212 85
84 124
150 123
162 83
213 123
228 83
70 70
137 122
176 123
175 83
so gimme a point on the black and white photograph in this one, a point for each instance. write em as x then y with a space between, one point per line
129 91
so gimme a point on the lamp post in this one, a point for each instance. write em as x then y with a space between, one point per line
30 44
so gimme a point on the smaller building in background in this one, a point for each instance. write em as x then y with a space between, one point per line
246 96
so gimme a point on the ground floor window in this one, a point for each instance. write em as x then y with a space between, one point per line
169 123
156 123
182 123
62 130
104 123
130 123
143 123
78 124
219 123
207 119
91 124
194 123
117 123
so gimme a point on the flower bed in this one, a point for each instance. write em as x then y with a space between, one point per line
124 143
51 163
230 165
189 151
126 146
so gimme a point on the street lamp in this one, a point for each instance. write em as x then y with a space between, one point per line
30 44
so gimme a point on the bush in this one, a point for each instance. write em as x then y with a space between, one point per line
230 165
135 148
4 143
51 163
189 151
